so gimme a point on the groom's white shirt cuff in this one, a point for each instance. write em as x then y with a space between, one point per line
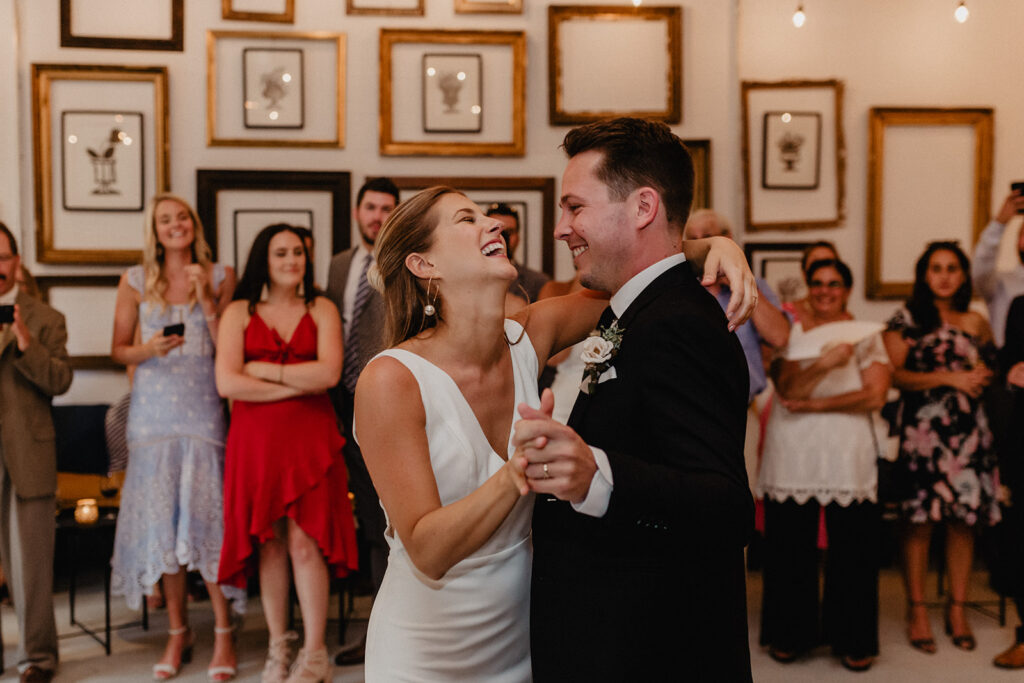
600 493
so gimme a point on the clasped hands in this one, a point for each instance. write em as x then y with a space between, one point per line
550 457
20 330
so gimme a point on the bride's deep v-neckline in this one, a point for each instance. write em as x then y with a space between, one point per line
480 435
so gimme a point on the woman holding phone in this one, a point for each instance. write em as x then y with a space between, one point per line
171 517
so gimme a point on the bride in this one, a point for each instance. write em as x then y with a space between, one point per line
434 415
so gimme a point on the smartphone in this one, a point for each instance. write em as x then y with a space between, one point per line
176 328
1018 187
6 314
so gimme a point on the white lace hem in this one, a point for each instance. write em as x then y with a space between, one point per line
824 495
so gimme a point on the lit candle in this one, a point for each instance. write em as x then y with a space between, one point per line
87 511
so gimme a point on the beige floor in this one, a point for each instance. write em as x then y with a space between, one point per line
135 650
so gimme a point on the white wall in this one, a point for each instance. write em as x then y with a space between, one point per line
908 53
709 107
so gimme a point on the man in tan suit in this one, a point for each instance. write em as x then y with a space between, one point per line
362 316
33 368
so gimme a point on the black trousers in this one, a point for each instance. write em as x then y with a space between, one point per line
368 509
848 617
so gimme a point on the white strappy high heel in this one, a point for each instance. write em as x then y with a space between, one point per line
219 674
163 672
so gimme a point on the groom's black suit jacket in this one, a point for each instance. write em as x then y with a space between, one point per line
655 589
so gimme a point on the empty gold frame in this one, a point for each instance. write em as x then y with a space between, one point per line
285 16
603 60
929 178
489 6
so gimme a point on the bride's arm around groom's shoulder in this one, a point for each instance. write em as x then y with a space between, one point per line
391 424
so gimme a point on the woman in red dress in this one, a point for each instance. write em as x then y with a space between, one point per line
285 479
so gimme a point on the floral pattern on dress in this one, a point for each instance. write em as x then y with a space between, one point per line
945 440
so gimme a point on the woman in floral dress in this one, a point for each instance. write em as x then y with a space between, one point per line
941 353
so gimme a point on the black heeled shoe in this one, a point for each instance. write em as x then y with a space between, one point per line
964 641
857 665
926 645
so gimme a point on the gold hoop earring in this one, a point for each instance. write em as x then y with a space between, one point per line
429 310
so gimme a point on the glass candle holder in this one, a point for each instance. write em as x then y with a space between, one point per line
87 511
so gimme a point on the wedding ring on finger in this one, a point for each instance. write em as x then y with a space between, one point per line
547 475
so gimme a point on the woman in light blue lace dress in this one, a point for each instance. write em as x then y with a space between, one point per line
171 518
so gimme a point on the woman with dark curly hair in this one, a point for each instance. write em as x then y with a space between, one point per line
941 353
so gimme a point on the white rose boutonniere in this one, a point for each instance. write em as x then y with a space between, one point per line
598 351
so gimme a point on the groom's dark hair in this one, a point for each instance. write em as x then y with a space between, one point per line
639 153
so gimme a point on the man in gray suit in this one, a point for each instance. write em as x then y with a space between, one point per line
362 316
34 367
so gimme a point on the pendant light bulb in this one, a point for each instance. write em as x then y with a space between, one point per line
799 17
962 13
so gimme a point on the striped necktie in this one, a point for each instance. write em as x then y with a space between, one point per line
353 354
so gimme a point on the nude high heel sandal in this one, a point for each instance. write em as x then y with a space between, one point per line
311 667
163 672
219 674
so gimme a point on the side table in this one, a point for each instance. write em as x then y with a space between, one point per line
99 533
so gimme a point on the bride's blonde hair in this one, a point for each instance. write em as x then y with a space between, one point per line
153 251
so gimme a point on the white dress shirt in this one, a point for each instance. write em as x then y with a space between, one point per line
601 486
999 289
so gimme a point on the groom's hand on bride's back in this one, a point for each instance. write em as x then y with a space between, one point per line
557 460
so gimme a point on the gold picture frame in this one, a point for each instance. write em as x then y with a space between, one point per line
226 103
368 7
488 6
575 65
503 128
81 299
935 183
98 230
174 42
700 152
820 206
285 16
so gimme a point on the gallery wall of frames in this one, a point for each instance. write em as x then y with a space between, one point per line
259 111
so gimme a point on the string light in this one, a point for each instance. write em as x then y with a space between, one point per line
961 13
637 3
798 16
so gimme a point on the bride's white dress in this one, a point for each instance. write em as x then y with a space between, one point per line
473 624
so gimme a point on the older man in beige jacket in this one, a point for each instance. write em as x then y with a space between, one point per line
33 368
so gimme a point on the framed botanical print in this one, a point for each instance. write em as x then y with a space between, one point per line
452 93
257 93
794 154
100 149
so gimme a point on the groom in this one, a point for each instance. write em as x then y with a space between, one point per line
638 547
